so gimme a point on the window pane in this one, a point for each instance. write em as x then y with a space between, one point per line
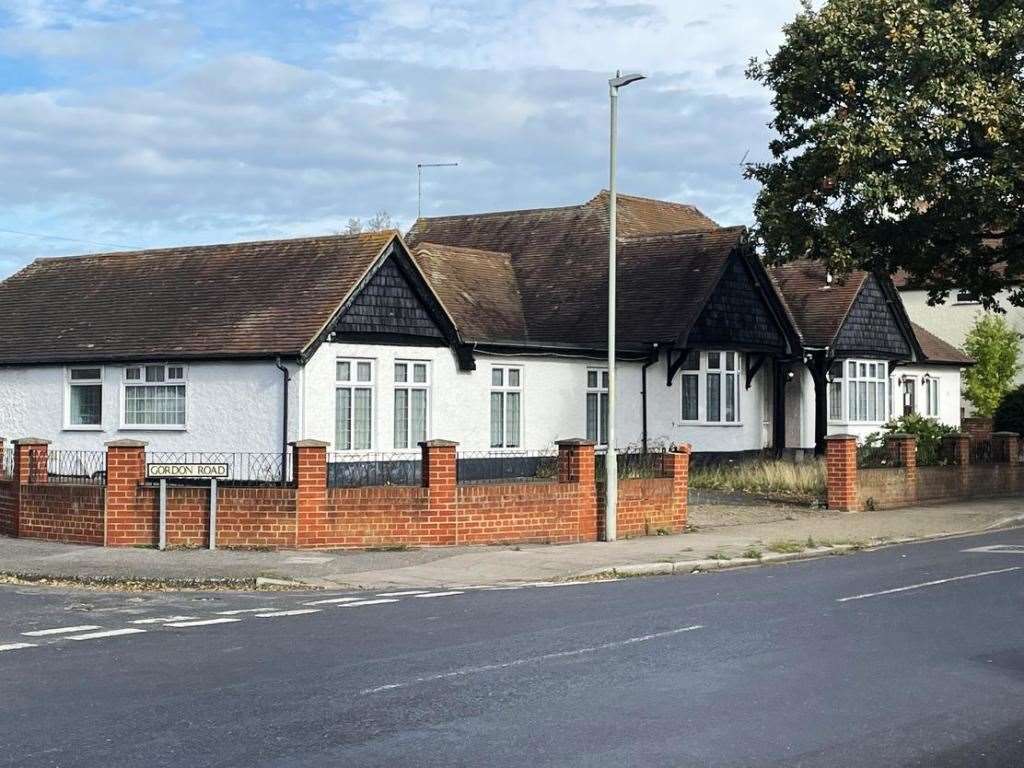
176 373
692 361
362 418
133 374
86 404
714 397
851 409
497 377
513 377
863 370
154 373
155 406
872 402
880 415
691 395
592 417
714 360
853 370
419 373
835 400
836 370
862 401
343 419
401 373
85 374
512 420
344 370
497 419
872 370
730 361
604 379
730 396
592 379
362 371
604 419
418 418
401 418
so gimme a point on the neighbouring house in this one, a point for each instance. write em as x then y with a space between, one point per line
487 329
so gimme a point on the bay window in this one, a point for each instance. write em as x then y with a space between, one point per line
353 425
412 400
597 406
858 391
506 407
154 396
710 384
84 398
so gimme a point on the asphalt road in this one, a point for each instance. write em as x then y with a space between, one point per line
796 665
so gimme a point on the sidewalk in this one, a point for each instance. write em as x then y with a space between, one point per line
721 538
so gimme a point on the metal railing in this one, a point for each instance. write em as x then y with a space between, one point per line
76 467
359 470
7 463
984 452
632 464
496 466
265 469
878 457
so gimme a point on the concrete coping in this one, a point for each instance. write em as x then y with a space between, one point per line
31 441
571 441
900 436
1005 434
126 443
309 443
957 436
840 437
438 444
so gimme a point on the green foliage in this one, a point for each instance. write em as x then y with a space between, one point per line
929 434
1009 416
777 476
900 141
995 347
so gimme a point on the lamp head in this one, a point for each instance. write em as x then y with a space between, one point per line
620 80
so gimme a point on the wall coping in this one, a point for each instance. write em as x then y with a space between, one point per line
31 441
309 443
575 441
126 443
1005 434
840 437
438 444
958 435
901 436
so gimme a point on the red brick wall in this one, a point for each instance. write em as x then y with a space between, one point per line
8 505
68 513
131 517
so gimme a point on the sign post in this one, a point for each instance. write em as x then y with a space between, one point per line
188 471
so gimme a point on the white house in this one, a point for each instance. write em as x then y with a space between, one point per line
486 329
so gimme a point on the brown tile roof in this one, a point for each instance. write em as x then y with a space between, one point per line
241 299
817 308
938 351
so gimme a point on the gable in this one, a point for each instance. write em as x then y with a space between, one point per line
387 304
737 315
871 328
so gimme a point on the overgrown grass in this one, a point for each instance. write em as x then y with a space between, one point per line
782 477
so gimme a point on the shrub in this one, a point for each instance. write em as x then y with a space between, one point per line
995 347
1009 416
929 433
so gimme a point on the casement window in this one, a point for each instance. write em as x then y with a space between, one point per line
835 391
83 397
412 402
931 396
710 384
691 386
506 407
353 405
154 396
858 392
597 406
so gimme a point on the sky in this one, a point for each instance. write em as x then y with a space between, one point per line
147 123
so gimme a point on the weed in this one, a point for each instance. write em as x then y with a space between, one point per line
719 556
752 553
786 547
805 479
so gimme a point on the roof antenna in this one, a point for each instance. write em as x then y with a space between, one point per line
419 183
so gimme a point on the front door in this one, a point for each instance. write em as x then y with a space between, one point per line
909 395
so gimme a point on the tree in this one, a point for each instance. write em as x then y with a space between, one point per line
1009 416
381 220
900 142
995 347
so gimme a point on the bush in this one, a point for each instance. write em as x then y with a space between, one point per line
1009 416
929 434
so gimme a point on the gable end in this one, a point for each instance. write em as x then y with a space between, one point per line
871 328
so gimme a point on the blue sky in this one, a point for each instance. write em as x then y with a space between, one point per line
147 123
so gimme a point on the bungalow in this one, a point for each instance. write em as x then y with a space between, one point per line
485 329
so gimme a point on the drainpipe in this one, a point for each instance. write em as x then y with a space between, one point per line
651 359
285 378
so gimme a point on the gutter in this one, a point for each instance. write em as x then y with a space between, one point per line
286 377
651 360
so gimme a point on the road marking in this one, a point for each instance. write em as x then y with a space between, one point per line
367 602
202 623
107 633
163 619
296 612
16 646
442 594
333 601
245 610
531 660
60 630
407 593
1000 549
927 584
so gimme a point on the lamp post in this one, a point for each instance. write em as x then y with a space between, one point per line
611 464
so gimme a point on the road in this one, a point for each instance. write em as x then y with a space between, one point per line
906 656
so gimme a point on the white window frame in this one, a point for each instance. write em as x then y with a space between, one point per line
691 372
352 385
503 389
126 382
932 396
600 391
69 383
702 374
861 380
409 386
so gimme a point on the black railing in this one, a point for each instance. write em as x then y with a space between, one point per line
983 452
473 467
632 465
879 457
7 463
76 467
347 470
265 469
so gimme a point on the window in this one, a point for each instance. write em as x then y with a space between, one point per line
931 396
835 391
412 398
353 417
966 297
84 397
597 406
722 387
506 407
865 384
691 386
154 396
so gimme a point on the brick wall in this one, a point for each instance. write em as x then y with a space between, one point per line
8 505
68 513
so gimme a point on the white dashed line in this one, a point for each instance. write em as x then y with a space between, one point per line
107 633
16 646
333 601
928 584
407 593
163 619
367 602
442 594
202 623
245 610
60 630
296 612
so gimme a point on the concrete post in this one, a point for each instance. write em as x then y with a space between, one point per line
841 472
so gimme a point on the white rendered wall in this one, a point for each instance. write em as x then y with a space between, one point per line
233 407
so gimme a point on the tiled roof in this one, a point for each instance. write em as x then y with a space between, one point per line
817 307
241 299
938 351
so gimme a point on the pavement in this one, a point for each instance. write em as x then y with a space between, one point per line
904 656
720 537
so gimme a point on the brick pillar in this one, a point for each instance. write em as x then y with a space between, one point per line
903 448
676 464
576 465
957 447
1006 447
841 472
31 455
310 462
440 478
128 522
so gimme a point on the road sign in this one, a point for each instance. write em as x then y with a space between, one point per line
187 471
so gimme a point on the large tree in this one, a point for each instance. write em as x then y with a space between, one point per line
900 141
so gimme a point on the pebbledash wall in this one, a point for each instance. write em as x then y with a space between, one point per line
310 515
851 488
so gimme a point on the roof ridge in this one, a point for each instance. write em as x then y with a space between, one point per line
508 212
427 244
685 233
606 192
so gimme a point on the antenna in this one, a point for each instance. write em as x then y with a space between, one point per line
419 183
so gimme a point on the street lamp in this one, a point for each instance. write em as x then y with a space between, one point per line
611 464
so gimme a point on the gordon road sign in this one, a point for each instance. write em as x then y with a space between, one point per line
187 471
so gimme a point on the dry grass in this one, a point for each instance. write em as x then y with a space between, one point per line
783 477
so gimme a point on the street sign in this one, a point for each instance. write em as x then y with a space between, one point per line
187 471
